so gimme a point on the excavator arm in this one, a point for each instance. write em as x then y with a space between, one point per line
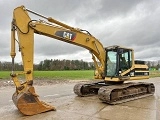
25 29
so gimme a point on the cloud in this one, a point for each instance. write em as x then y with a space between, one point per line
49 47
134 24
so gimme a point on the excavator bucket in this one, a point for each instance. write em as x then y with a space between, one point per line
28 103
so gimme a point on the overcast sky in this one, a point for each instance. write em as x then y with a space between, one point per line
130 23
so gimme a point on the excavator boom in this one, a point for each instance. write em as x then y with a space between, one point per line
25 97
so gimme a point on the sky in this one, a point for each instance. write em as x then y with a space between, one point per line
131 23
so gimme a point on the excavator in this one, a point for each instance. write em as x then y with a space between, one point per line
115 66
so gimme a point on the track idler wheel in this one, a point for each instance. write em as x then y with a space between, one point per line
28 103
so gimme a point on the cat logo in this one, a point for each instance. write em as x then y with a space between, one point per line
66 34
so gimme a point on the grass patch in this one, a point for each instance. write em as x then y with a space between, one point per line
65 75
56 75
155 73
5 74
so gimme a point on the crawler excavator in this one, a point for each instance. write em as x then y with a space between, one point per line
114 65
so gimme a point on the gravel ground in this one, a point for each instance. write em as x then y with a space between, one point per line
6 83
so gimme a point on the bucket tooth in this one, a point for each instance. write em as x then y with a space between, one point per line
28 103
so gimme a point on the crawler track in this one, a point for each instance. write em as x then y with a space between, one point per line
115 94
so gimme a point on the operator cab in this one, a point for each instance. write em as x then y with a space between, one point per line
118 60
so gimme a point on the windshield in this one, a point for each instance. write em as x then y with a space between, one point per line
111 63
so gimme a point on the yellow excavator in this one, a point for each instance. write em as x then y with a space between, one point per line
114 65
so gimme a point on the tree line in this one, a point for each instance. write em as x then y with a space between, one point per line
56 64
65 65
154 64
50 65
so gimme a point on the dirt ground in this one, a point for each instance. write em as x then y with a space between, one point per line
5 83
